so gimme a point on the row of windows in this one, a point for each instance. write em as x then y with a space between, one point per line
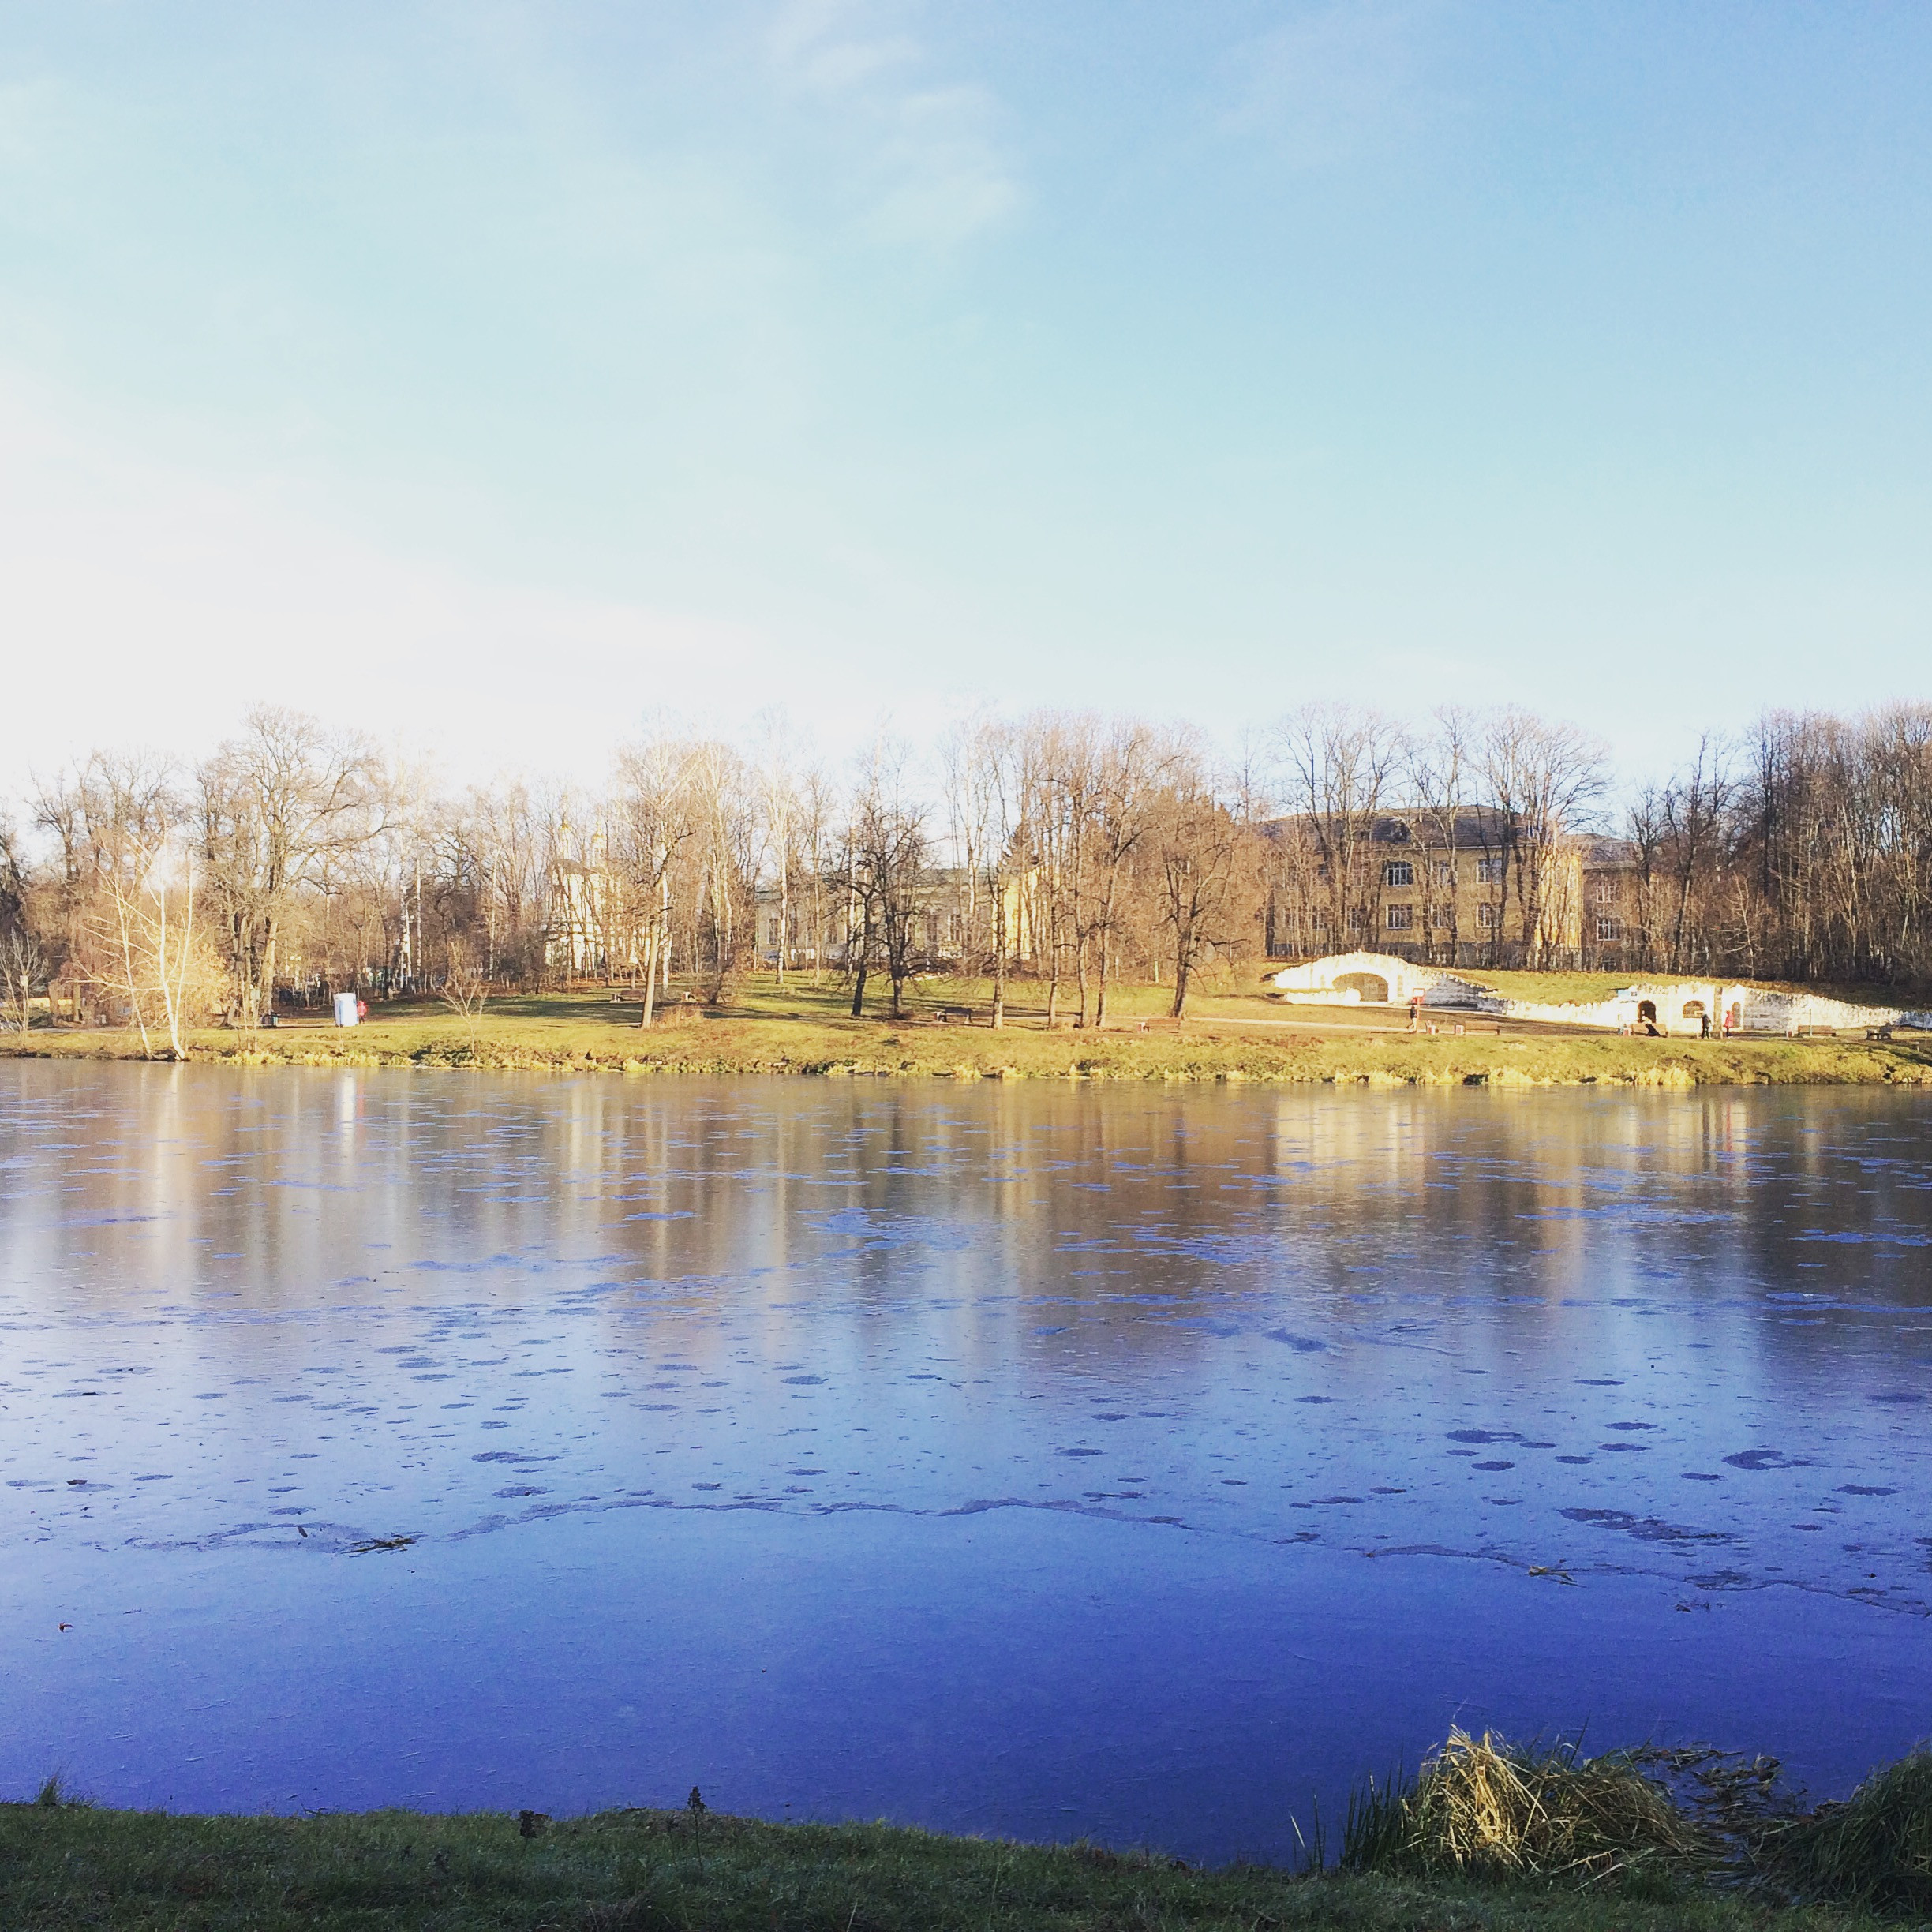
1442 918
1403 918
1402 872
1488 872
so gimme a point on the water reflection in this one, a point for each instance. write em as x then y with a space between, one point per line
1670 1351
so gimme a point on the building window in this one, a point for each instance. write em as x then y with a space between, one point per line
1445 872
1489 871
1609 931
1400 872
1606 893
1358 922
1486 916
1401 917
1441 917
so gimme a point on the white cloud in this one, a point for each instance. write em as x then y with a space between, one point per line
1337 81
936 173
951 183
829 45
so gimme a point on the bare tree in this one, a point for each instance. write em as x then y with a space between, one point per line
1196 841
1130 768
1643 819
985 789
655 816
149 930
881 866
1440 760
1693 807
23 969
280 806
724 851
23 964
1341 765
465 989
1543 779
779 804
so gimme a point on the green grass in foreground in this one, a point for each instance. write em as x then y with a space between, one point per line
64 1867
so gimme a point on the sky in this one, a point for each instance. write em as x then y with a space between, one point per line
496 377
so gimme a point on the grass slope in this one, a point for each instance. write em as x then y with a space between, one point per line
1229 1037
68 1866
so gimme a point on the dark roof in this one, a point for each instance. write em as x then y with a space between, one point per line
1475 827
1609 851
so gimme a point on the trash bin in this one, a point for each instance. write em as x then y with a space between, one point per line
347 1009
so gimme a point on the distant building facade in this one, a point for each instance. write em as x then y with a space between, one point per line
1466 888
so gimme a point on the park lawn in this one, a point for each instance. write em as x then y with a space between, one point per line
66 1866
809 1032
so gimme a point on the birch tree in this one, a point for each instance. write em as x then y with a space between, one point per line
655 816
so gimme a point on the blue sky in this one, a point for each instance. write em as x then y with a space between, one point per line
491 375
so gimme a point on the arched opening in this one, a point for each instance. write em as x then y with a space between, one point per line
1646 1012
1694 1009
1372 987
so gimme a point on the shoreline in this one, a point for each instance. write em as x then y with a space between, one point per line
1230 1051
66 1864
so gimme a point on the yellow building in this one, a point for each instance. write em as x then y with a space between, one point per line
1462 888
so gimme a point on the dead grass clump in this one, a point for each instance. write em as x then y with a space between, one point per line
1488 1809
1875 1849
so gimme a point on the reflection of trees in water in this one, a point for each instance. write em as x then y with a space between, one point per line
937 1214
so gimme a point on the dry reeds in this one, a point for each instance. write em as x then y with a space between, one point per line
1488 1809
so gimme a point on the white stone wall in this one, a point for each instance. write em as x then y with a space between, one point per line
1404 979
1759 1011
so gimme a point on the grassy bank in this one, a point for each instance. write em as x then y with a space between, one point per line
1227 1038
64 1867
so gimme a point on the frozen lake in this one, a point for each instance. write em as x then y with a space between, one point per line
1038 1460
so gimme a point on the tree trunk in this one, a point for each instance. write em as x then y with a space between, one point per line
999 952
266 999
1183 972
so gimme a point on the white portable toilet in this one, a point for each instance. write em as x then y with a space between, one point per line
346 1009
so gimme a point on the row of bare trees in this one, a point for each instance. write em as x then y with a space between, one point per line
1071 849
1801 850
1093 848
1505 788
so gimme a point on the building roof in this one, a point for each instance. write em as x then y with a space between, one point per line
1472 829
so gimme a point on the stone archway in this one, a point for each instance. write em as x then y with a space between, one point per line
1373 988
1646 1012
